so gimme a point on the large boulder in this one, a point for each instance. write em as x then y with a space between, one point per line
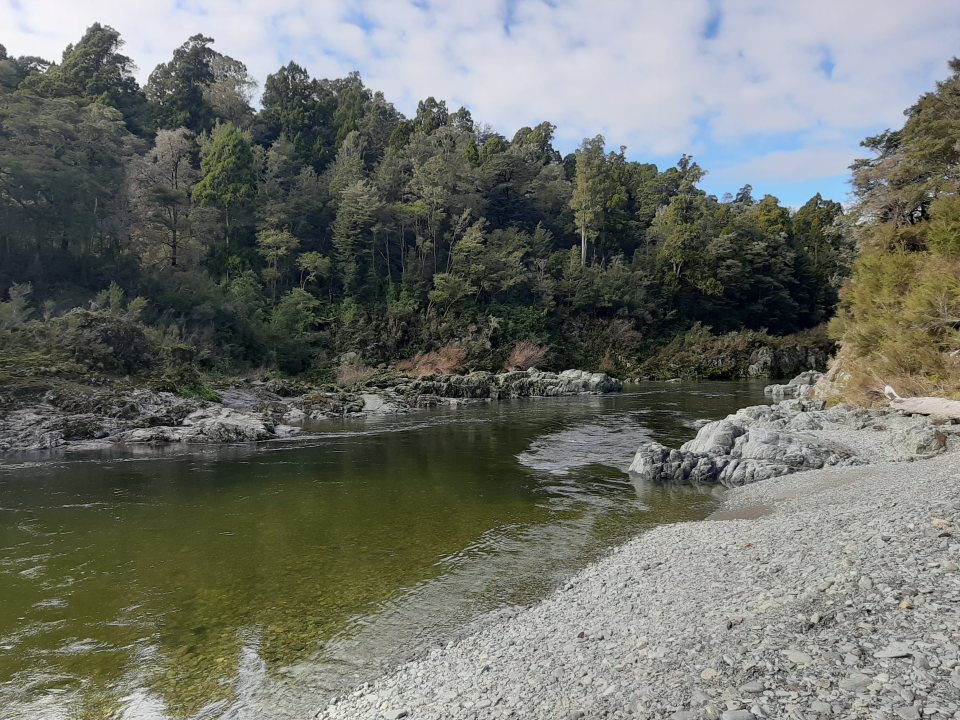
733 454
921 440
800 387
218 424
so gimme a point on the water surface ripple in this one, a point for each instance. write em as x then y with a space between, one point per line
254 581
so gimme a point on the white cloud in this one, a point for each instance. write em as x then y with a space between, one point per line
792 165
640 72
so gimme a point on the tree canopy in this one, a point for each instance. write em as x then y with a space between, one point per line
326 221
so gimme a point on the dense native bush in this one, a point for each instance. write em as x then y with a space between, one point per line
326 222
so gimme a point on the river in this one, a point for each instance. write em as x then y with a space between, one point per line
254 582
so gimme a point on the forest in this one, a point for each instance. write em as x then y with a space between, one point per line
176 226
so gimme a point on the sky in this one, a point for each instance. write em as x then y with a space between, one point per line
774 93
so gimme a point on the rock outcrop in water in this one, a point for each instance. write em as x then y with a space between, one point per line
800 387
529 383
767 441
135 417
260 410
733 454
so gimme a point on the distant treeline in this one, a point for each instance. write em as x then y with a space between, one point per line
327 222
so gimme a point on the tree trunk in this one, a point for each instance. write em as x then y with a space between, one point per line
583 245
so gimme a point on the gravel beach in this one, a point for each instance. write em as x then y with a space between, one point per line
827 593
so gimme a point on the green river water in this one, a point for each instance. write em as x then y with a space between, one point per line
256 581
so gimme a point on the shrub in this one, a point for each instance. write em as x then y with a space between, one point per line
354 374
448 360
16 311
899 323
525 355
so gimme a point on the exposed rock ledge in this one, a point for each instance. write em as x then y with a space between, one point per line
767 441
83 418
801 386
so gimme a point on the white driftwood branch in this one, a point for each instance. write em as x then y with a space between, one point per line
938 407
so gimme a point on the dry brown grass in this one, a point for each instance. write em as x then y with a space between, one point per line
354 374
448 360
861 380
526 354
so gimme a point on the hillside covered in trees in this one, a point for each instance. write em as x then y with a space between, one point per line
175 226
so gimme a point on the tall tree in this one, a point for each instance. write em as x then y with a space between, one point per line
588 201
301 109
198 86
228 178
161 183
95 70
352 235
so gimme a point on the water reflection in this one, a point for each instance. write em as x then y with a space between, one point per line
208 583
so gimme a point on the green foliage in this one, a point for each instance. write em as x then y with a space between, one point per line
228 177
326 222
295 313
899 317
16 311
700 353
943 235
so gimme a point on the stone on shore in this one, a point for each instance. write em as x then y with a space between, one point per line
766 441
733 453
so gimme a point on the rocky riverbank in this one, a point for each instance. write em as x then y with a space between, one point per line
765 441
840 599
81 417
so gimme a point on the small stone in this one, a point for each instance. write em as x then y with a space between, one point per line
940 523
684 715
797 657
855 682
949 566
955 679
908 712
738 715
906 604
395 714
709 674
755 686
821 708
699 698
865 583
894 650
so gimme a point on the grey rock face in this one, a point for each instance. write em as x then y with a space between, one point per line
766 441
732 453
530 383
922 440
215 424
809 377
800 387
